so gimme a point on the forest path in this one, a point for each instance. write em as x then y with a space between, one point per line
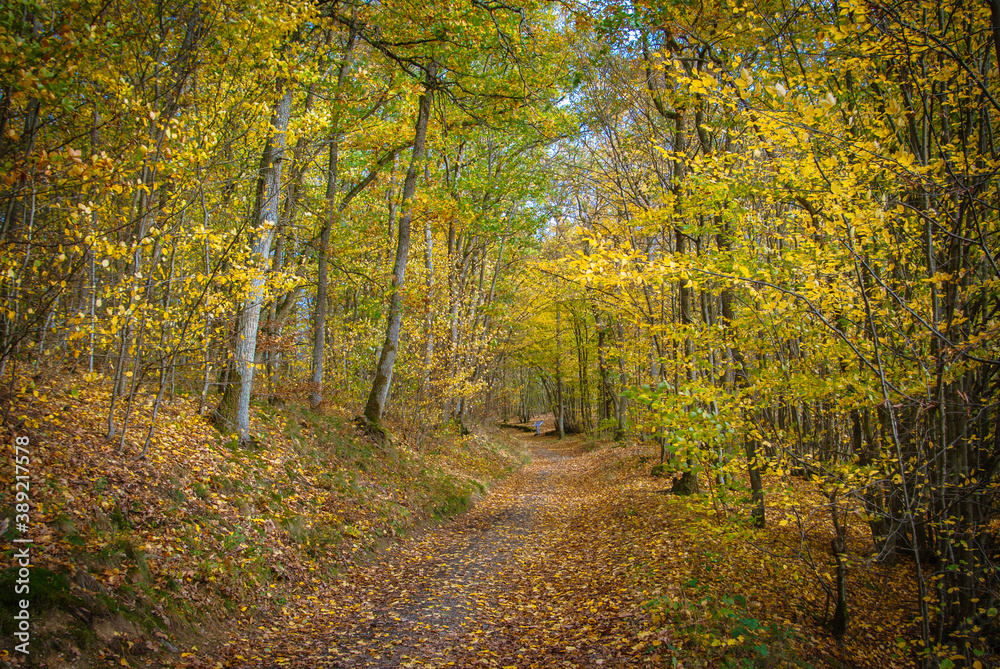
528 578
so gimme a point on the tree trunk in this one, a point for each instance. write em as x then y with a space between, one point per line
387 360
583 363
234 407
750 445
332 212
293 196
838 548
559 386
429 315
687 484
622 404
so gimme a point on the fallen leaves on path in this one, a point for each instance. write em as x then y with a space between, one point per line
576 561
150 559
518 581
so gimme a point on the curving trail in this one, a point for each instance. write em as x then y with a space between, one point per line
527 578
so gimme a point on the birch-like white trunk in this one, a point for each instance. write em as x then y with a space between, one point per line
233 412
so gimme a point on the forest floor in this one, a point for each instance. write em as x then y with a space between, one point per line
153 558
321 547
574 561
514 582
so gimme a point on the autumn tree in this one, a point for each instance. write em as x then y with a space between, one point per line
807 191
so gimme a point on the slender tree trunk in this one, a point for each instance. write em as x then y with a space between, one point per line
607 410
95 143
169 362
234 407
995 27
393 205
750 444
429 316
323 277
688 482
387 360
480 331
583 363
559 384
621 406
838 548
333 210
207 329
297 172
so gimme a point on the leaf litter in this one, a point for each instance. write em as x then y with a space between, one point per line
575 561
514 582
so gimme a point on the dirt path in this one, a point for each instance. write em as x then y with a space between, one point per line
521 580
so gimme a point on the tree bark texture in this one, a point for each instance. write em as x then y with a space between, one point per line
387 360
234 407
